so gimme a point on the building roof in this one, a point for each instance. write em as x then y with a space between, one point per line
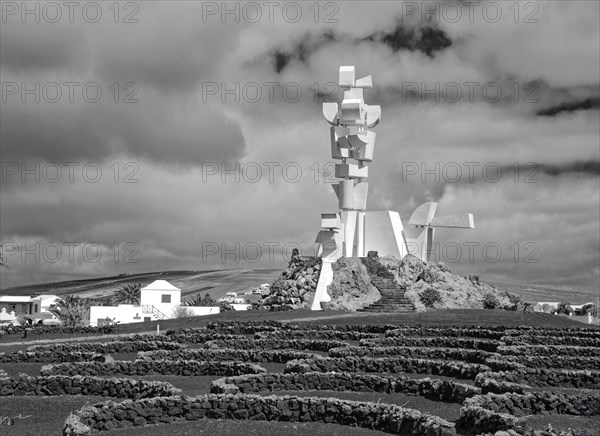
14 299
160 285
46 296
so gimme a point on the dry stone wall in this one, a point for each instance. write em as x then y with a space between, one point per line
25 385
126 414
438 390
148 367
392 365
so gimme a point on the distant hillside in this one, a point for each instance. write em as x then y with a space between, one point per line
214 282
218 282
534 294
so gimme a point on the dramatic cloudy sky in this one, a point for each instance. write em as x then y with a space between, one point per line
508 96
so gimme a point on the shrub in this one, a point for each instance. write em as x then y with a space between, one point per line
490 301
429 297
198 300
563 308
182 312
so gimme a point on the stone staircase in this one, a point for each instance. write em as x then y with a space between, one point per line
392 297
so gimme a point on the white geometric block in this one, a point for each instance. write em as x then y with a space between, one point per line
346 194
373 115
354 93
330 112
330 221
347 75
364 82
340 148
352 112
365 151
352 171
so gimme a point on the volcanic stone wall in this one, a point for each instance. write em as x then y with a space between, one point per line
384 417
434 389
25 385
146 367
387 365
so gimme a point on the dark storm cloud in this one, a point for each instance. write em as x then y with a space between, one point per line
301 50
41 46
427 39
591 168
586 104
156 130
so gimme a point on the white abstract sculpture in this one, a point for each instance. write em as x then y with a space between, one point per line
353 231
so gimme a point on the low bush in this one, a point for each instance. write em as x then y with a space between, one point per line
490 301
429 297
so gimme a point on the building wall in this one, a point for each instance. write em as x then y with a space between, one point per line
18 307
124 314
127 313
155 298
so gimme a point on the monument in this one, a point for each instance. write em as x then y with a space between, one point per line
353 231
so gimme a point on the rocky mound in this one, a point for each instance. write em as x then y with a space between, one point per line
432 285
295 288
351 288
425 285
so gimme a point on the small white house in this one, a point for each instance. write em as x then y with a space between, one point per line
158 301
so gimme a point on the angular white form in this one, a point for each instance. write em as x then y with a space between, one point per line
353 231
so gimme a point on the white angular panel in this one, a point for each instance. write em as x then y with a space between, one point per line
348 218
373 115
423 214
360 195
330 112
419 241
364 82
325 279
462 221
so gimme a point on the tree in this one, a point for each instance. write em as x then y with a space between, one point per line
198 300
131 293
563 308
72 311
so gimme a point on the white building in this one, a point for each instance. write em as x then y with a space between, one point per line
35 308
158 301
